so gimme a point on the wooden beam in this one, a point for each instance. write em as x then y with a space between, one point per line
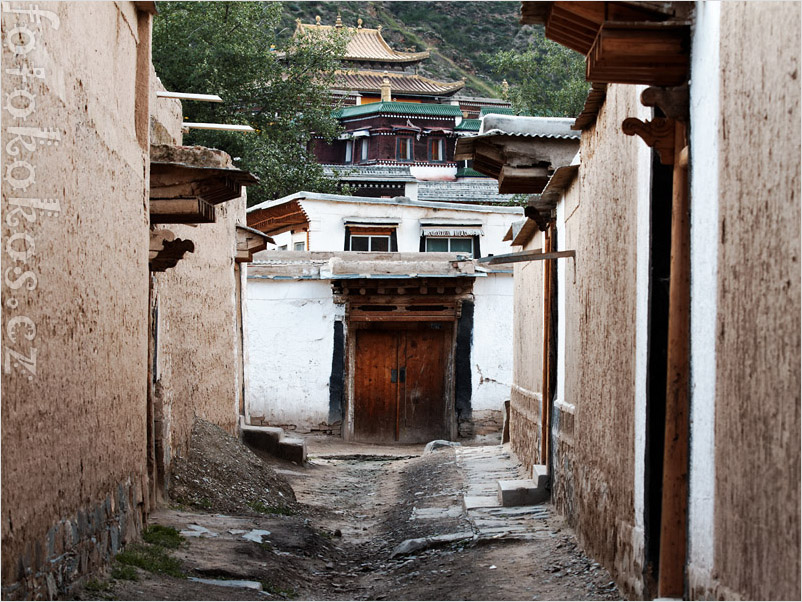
673 545
657 133
525 256
673 101
181 211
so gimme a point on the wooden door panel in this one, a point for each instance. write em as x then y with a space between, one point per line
375 396
423 403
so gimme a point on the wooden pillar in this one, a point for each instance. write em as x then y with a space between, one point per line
545 406
673 526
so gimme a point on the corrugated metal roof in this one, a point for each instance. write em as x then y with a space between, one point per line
496 111
529 127
400 83
399 108
365 44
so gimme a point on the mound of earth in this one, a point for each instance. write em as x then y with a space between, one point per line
220 474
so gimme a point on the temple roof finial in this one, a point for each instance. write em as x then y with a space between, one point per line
339 22
317 20
359 23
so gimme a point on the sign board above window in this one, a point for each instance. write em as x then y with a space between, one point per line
439 231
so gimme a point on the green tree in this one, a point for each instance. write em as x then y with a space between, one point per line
545 79
269 79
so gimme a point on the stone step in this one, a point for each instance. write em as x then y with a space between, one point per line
522 492
273 441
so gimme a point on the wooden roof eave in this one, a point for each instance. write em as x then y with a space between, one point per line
187 194
250 241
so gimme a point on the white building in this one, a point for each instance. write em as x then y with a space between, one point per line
375 322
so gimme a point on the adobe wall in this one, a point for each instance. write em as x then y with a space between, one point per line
526 391
757 523
198 343
600 336
74 292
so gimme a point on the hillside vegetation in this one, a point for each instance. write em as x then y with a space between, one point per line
461 36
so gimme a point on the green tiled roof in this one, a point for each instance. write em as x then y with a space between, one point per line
469 125
469 172
399 108
496 111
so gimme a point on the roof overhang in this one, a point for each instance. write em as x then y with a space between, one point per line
250 241
521 161
278 218
623 42
186 182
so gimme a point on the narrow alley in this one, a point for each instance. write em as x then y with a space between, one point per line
370 523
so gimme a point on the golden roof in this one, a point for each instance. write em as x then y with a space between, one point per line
365 44
400 83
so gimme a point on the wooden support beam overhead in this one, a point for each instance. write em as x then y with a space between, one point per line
526 256
181 211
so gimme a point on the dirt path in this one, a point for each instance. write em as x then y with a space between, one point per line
356 506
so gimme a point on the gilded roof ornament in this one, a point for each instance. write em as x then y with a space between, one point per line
339 22
359 23
317 20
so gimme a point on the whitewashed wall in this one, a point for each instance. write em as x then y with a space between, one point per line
491 351
290 339
327 225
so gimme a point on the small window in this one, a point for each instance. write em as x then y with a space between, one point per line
282 248
437 149
403 148
298 246
363 154
450 245
349 151
370 243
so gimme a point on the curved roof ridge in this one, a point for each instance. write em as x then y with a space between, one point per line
366 44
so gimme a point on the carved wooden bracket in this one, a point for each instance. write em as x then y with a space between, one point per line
657 133
674 102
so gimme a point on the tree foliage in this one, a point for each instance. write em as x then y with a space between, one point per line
545 79
269 79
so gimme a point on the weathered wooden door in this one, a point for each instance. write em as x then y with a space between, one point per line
400 383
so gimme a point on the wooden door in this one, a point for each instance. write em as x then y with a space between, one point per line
423 410
400 383
375 386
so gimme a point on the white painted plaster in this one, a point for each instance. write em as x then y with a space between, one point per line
428 173
704 169
562 266
290 338
491 350
327 223
643 255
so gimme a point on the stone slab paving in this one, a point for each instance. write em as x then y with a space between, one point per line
483 468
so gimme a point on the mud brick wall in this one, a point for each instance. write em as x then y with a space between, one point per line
198 342
601 224
527 388
75 288
757 522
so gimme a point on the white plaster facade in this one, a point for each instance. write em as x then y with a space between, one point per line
290 322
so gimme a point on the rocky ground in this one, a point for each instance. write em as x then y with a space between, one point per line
368 523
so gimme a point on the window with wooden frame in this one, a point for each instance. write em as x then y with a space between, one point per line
437 149
372 239
349 151
363 150
462 245
403 148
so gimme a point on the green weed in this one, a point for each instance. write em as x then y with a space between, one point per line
124 572
165 537
261 508
153 559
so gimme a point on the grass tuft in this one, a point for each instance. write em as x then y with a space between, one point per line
153 559
165 537
265 509
124 572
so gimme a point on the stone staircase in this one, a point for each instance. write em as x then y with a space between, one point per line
273 441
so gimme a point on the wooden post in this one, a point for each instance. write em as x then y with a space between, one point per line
544 404
675 464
